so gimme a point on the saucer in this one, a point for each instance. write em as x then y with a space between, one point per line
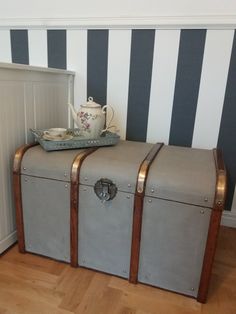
48 137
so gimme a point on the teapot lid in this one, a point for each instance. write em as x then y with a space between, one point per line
91 104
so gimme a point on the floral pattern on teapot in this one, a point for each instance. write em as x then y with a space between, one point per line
85 117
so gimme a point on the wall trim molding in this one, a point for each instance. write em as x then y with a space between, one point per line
127 22
8 241
229 219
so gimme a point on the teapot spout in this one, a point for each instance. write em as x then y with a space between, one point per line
73 112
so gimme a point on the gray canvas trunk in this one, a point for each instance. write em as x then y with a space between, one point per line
177 206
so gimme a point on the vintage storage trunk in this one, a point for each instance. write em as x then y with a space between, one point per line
148 213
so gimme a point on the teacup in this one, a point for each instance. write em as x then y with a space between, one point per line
56 132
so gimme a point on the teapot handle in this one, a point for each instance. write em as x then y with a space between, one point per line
112 116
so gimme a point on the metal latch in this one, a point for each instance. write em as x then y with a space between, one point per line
105 189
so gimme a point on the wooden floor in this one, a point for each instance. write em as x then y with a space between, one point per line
32 284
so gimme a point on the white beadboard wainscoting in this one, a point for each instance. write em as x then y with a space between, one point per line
30 97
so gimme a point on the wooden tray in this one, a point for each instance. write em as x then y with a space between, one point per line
77 141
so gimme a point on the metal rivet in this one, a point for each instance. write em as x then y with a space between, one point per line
202 211
219 202
128 197
84 189
26 180
66 185
65 174
129 185
152 190
192 289
206 199
24 168
85 179
149 201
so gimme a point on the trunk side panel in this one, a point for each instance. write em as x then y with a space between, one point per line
172 245
46 211
105 232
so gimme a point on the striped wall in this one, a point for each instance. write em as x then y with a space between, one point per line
176 86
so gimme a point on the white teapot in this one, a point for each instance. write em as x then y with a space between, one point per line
91 118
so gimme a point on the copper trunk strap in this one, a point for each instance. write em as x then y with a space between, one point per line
17 194
138 210
218 206
74 202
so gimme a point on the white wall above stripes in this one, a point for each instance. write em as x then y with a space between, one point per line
118 14
104 8
215 67
122 13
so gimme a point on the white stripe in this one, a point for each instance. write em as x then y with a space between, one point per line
118 76
77 61
5 44
38 47
163 84
215 68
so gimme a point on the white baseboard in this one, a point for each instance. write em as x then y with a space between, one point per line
8 241
228 219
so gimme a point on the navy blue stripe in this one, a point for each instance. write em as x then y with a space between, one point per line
142 46
191 50
227 133
19 46
97 56
56 48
